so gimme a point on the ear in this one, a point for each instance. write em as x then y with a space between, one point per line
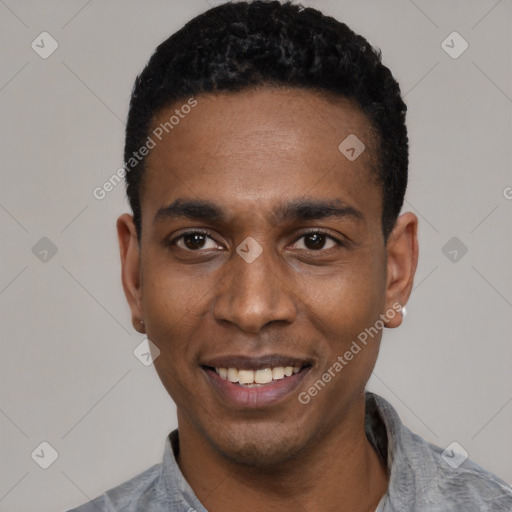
130 267
402 259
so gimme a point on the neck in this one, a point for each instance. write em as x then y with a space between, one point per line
340 472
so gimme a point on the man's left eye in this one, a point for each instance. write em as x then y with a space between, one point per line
316 240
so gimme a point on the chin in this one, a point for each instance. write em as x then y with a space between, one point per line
272 445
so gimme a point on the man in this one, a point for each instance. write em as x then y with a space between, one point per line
266 165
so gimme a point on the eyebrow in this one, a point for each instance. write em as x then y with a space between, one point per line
299 209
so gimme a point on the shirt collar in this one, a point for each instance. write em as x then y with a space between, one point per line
181 495
411 465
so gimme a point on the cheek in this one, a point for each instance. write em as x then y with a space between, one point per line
348 300
171 295
343 317
171 321
172 307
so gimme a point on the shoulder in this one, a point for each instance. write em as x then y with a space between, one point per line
127 496
424 476
460 481
447 480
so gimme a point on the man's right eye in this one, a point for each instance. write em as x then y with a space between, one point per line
193 241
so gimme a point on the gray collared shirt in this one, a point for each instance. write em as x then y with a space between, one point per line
420 479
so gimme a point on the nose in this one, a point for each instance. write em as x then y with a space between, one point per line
252 295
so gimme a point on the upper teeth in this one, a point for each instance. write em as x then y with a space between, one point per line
257 376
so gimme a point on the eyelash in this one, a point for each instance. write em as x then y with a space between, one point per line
312 232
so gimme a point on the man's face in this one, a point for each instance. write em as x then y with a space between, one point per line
319 281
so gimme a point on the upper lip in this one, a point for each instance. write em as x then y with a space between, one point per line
242 362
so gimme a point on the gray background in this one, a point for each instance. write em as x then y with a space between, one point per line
68 375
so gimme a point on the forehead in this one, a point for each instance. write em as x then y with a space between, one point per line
257 146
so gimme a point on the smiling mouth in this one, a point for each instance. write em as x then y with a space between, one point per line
256 383
257 378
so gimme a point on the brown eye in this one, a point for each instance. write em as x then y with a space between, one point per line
194 241
316 240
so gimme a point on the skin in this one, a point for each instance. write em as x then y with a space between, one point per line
304 297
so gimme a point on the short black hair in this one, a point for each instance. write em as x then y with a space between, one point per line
241 45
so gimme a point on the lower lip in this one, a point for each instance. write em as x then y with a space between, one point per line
259 396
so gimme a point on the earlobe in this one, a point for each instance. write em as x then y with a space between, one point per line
402 260
130 267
